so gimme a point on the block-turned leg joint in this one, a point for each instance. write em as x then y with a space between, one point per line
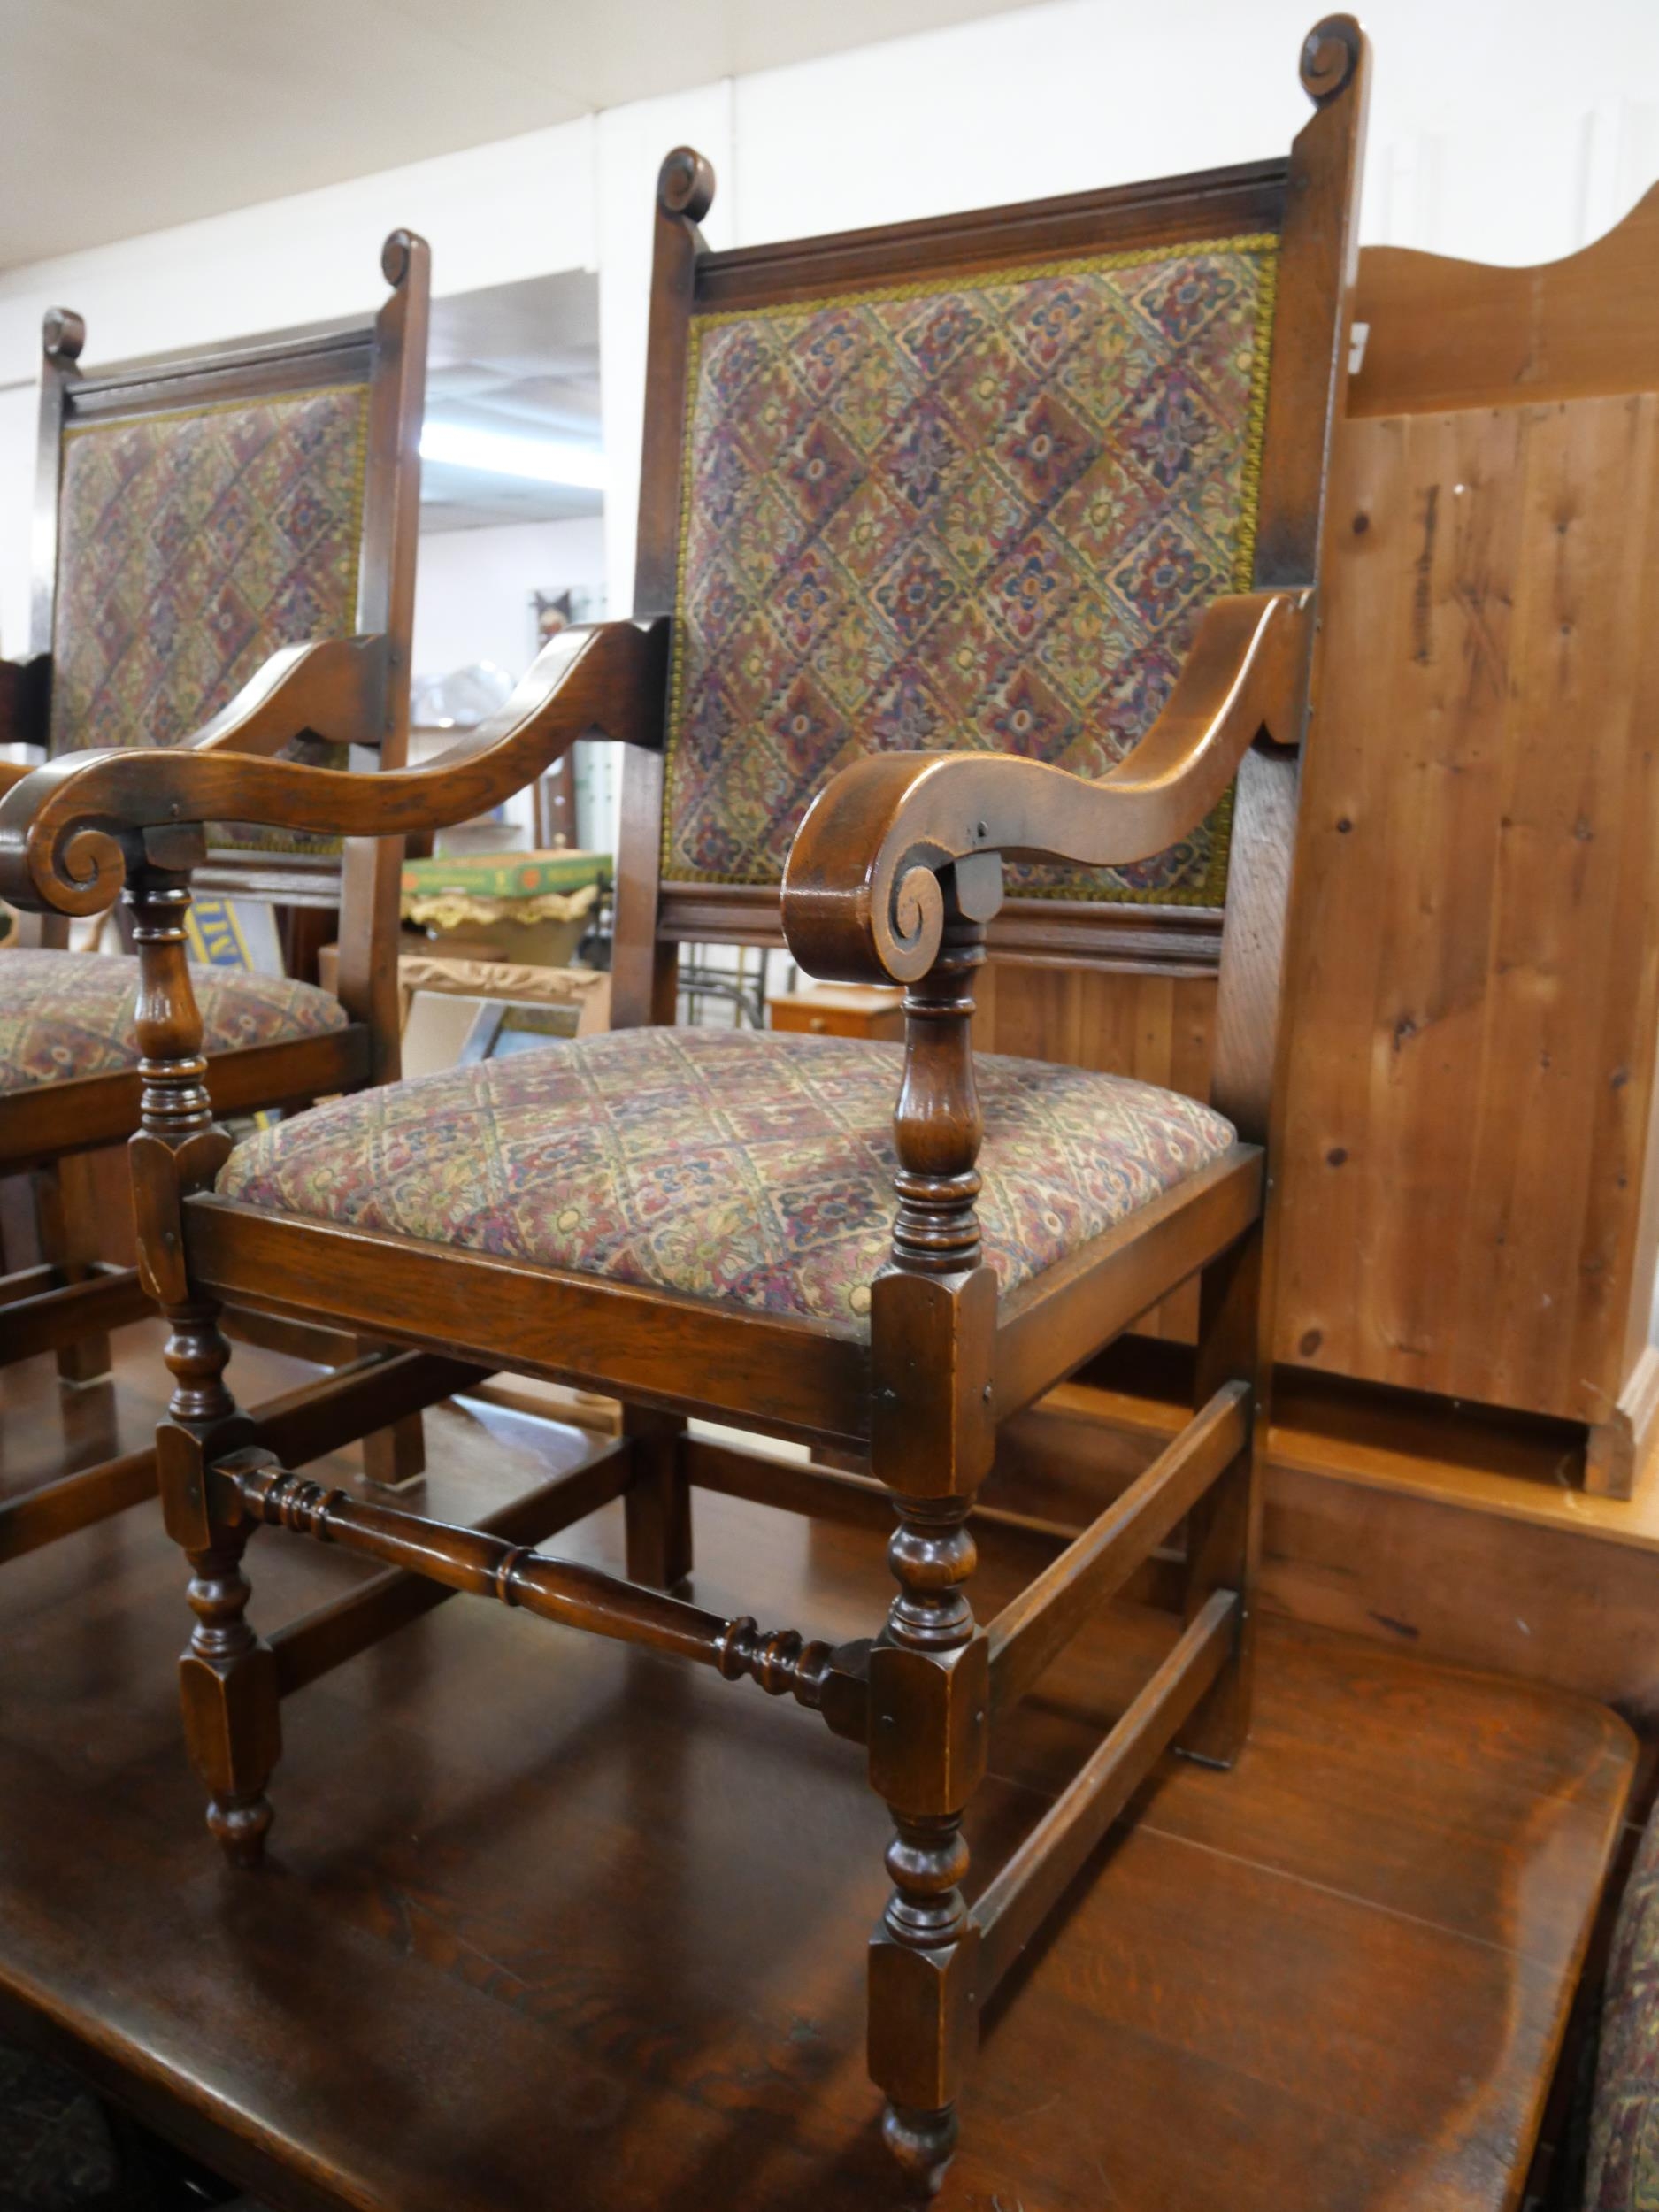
929 1713
932 1327
227 1677
229 1688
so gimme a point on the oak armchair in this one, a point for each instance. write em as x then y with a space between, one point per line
879 469
225 549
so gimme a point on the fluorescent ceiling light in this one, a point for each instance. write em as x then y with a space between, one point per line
539 460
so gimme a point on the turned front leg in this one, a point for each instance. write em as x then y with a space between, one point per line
929 1698
228 1678
932 1327
228 1691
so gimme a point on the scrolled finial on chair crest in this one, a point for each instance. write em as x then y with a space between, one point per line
685 184
398 253
1329 54
63 333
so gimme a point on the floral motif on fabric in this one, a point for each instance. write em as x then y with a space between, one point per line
190 547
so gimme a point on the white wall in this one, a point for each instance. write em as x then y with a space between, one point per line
473 589
522 207
518 208
631 142
1498 133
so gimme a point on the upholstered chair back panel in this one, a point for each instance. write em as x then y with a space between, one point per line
191 546
982 514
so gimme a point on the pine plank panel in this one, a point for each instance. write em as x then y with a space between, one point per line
1476 999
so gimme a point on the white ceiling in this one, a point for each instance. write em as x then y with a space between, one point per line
522 360
119 117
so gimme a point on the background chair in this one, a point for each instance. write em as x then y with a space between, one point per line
225 551
921 485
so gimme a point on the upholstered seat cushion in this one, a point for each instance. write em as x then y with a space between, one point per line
64 1014
727 1164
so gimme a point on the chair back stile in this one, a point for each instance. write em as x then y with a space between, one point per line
63 335
303 527
373 867
1318 266
643 964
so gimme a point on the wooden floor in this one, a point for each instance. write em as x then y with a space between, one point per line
549 1923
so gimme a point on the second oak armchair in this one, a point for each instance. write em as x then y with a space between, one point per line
225 561
976 566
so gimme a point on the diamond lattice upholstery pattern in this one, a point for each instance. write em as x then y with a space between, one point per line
1622 2175
190 547
65 1014
985 514
749 1168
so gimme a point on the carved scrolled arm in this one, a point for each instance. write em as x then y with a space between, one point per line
69 831
862 899
333 690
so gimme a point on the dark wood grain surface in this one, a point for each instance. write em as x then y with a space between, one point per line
551 1921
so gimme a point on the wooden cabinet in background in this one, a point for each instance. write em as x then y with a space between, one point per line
1471 1196
1470 1157
835 1010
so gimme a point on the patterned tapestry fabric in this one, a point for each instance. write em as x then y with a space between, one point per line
190 546
983 514
747 1167
64 1014
1622 2174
